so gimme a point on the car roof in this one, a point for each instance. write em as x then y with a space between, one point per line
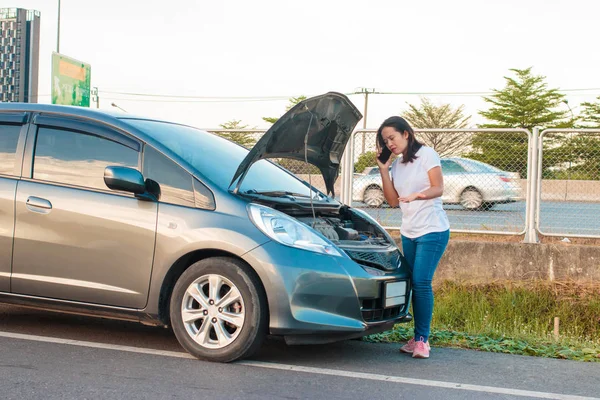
117 119
53 108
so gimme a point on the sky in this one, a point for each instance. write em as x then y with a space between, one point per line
242 60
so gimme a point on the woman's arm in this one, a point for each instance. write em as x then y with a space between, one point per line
389 192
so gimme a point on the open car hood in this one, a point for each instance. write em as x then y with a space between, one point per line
315 130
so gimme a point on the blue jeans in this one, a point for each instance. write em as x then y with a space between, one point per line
423 255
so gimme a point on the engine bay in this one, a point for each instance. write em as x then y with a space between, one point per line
363 241
344 231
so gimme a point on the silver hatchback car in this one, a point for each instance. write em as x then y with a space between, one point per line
128 217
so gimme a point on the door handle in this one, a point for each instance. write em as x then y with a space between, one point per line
38 202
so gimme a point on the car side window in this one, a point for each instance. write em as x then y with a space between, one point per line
176 185
9 137
204 197
451 167
77 158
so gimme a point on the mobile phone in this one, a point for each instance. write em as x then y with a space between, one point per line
385 155
385 152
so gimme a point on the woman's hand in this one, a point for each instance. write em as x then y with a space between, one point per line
382 166
412 197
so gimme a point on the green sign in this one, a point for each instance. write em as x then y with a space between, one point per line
70 81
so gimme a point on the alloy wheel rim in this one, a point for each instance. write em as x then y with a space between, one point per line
471 199
213 311
373 197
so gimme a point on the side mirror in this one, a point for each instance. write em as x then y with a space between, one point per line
125 179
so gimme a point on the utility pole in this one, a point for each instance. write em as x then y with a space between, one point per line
366 93
58 30
96 96
572 122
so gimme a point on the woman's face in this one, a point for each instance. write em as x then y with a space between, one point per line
394 140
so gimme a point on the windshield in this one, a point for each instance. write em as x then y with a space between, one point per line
218 159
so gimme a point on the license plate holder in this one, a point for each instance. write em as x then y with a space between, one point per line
394 293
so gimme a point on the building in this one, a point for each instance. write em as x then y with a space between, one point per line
19 54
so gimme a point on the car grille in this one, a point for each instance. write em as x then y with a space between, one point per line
373 309
381 314
388 260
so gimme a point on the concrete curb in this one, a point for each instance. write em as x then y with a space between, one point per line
479 262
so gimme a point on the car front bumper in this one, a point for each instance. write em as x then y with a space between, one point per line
316 298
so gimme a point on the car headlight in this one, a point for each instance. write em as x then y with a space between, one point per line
288 231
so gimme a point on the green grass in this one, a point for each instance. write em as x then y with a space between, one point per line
515 318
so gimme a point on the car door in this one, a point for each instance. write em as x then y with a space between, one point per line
12 135
454 180
75 239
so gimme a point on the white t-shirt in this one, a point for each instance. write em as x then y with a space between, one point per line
419 217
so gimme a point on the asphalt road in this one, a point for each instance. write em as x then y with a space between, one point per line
55 356
562 218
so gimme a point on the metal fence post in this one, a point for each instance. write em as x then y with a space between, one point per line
344 182
532 184
349 171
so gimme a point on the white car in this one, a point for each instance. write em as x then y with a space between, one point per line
472 184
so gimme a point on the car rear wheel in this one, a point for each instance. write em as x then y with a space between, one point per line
471 199
373 197
219 310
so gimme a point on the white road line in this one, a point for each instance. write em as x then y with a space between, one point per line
309 370
96 345
412 381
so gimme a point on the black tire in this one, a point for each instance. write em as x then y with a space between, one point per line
487 206
248 338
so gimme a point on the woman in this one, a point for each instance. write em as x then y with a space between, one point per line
416 184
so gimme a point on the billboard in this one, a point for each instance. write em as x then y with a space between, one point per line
70 81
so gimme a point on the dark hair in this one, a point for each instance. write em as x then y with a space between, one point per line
400 125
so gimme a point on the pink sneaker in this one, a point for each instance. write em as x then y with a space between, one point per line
410 346
421 349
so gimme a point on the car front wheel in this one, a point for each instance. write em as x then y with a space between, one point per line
218 310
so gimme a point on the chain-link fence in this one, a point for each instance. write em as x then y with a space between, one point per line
488 186
568 192
485 178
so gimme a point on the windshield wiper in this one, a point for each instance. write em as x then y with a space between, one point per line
277 193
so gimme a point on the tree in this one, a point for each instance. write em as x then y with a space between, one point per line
525 102
366 159
430 116
245 139
582 153
590 115
292 102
